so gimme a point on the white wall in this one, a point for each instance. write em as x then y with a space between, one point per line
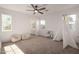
54 20
20 24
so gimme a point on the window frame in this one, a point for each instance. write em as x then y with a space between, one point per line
3 30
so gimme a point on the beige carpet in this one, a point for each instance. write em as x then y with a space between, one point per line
41 45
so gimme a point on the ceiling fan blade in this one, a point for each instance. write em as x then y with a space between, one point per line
41 8
41 12
33 6
42 5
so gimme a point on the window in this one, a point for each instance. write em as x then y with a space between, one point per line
71 19
42 22
6 23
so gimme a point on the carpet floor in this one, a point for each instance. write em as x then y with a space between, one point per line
42 45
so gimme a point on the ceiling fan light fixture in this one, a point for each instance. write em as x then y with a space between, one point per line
35 11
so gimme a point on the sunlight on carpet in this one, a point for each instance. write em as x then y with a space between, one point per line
12 49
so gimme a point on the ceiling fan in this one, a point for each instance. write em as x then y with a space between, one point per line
36 9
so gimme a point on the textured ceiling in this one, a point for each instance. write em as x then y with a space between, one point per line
24 7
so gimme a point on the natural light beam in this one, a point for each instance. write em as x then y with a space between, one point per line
12 49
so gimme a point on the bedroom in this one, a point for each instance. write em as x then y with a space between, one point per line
34 32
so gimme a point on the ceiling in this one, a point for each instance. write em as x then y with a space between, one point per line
50 7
